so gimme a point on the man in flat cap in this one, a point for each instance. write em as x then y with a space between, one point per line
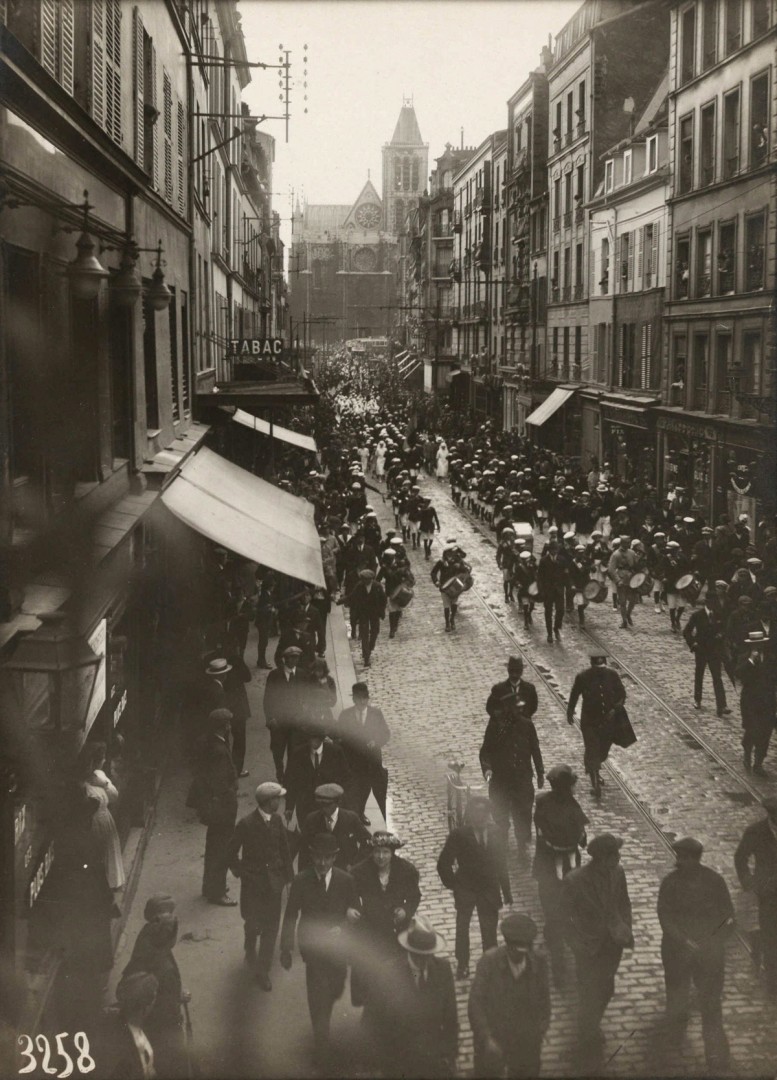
697 919
217 807
596 911
602 691
367 602
756 865
346 826
559 824
473 864
318 760
283 705
509 1003
324 900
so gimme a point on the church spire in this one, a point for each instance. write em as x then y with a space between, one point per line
407 131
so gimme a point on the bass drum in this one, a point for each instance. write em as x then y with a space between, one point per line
595 592
402 596
689 587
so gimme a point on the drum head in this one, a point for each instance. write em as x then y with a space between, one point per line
684 582
534 589
591 590
637 580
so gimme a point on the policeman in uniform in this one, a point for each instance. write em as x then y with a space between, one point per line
601 690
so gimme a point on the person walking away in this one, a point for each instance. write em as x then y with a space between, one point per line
559 825
265 614
363 732
602 691
697 919
509 1003
510 748
596 911
259 855
429 522
756 866
217 807
473 865
128 1046
282 706
552 573
756 703
411 1009
323 900
704 635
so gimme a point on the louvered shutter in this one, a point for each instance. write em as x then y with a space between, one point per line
621 350
654 254
97 62
619 284
181 150
67 43
139 87
113 70
630 274
649 363
167 98
643 357
640 255
48 36
154 127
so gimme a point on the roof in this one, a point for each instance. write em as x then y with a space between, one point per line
323 218
407 131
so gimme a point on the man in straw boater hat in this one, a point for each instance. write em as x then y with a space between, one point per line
509 1003
323 899
410 1010
756 701
602 691
259 855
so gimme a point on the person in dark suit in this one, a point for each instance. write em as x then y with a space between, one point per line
299 634
704 635
602 690
509 1003
756 866
552 575
756 702
282 705
315 620
317 761
329 817
129 1046
367 603
218 807
233 674
325 901
509 757
363 732
358 555
259 855
513 689
390 894
473 865
411 1011
265 614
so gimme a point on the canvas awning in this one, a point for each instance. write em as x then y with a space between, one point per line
550 405
304 442
247 515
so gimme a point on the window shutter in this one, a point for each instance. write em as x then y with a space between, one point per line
138 94
3 12
621 350
113 103
154 127
630 274
167 95
643 364
654 254
67 43
48 36
640 255
181 147
97 62
595 357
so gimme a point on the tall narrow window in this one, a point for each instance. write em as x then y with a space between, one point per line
755 228
731 133
167 113
186 399
733 25
685 178
759 120
722 371
578 350
682 271
626 262
707 145
679 368
609 175
726 261
701 365
567 271
651 154
709 32
555 283
565 358
175 382
180 149
581 108
688 44
752 359
703 263
557 204
557 129
647 257
138 88
627 158
149 366
570 115
578 271
105 66
760 14
580 187
150 112
56 38
568 198
604 281
646 349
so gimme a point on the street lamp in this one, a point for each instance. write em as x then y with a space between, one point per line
86 273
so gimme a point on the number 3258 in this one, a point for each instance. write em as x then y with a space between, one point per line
84 1062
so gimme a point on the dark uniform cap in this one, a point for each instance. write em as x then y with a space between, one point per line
598 656
518 929
688 846
604 844
324 844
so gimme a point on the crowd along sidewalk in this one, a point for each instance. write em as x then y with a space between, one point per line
238 1029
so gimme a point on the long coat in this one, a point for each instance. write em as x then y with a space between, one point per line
504 693
301 779
596 909
379 905
349 830
515 1013
322 922
356 737
259 855
283 697
479 871
757 698
759 844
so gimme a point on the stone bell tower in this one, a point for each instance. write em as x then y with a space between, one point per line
405 169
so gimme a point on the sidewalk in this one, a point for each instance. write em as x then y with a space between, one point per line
239 1031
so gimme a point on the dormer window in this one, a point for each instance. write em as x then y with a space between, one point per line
609 175
651 154
627 157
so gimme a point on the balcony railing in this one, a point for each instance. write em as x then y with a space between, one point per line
567 294
579 214
557 223
567 219
704 285
731 166
578 295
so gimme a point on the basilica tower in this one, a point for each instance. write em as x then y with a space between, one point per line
405 169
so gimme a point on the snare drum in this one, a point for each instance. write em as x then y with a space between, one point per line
402 596
453 588
595 591
689 587
637 583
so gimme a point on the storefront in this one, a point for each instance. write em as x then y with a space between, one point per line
629 441
745 480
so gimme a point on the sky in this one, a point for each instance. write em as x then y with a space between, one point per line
459 62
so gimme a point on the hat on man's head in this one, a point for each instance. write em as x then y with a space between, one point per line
672 544
688 846
158 904
561 775
744 600
329 792
598 656
324 843
770 590
569 536
219 666
514 661
218 718
754 561
518 929
525 555
756 637
621 509
269 790
421 937
659 536
604 844
292 650
366 575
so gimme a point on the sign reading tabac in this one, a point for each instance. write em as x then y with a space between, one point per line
255 348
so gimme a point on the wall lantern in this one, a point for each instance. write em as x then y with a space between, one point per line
86 272
158 295
127 286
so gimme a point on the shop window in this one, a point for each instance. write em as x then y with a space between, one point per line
726 262
733 25
707 145
651 154
700 371
685 176
709 47
731 133
687 44
703 263
759 120
722 371
760 16
755 229
752 360
604 281
679 369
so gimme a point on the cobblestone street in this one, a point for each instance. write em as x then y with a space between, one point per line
432 687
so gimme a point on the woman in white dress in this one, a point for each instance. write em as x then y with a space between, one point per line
98 786
442 460
380 460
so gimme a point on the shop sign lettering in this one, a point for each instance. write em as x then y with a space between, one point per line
263 348
44 866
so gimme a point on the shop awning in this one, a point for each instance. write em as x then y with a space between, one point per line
551 404
247 515
304 442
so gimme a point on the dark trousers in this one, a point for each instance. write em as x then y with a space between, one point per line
214 875
263 927
549 887
767 920
514 800
706 970
280 735
325 983
238 742
238 632
369 628
756 735
370 777
262 641
488 917
703 661
521 1061
554 612
595 987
